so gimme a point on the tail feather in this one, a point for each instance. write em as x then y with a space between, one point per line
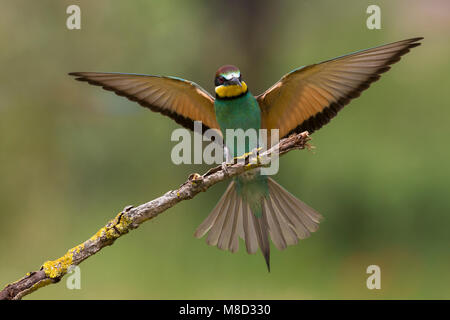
206 225
284 218
220 223
303 218
250 237
230 214
288 216
262 232
275 230
233 243
288 232
313 215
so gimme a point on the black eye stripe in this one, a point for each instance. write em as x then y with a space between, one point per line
219 81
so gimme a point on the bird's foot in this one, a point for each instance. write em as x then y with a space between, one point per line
225 168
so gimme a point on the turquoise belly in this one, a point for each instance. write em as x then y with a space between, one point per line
243 113
240 113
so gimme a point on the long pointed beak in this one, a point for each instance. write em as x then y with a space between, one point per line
234 81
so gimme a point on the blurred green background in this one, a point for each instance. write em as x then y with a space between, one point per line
73 155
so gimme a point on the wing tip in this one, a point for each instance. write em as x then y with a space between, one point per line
415 39
413 42
79 76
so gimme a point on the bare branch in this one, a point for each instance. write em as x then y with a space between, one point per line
131 217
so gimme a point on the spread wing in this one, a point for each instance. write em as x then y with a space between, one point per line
182 100
307 98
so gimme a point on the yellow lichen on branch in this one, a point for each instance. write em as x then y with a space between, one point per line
57 268
114 228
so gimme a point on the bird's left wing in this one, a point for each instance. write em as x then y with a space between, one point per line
182 100
307 98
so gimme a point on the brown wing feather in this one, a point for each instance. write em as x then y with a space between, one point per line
181 100
309 97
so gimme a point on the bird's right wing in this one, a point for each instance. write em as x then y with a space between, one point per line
182 100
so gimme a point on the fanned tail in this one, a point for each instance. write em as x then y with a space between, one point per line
284 218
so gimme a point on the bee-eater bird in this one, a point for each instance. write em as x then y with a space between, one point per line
255 207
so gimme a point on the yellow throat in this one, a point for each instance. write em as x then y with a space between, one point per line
232 90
